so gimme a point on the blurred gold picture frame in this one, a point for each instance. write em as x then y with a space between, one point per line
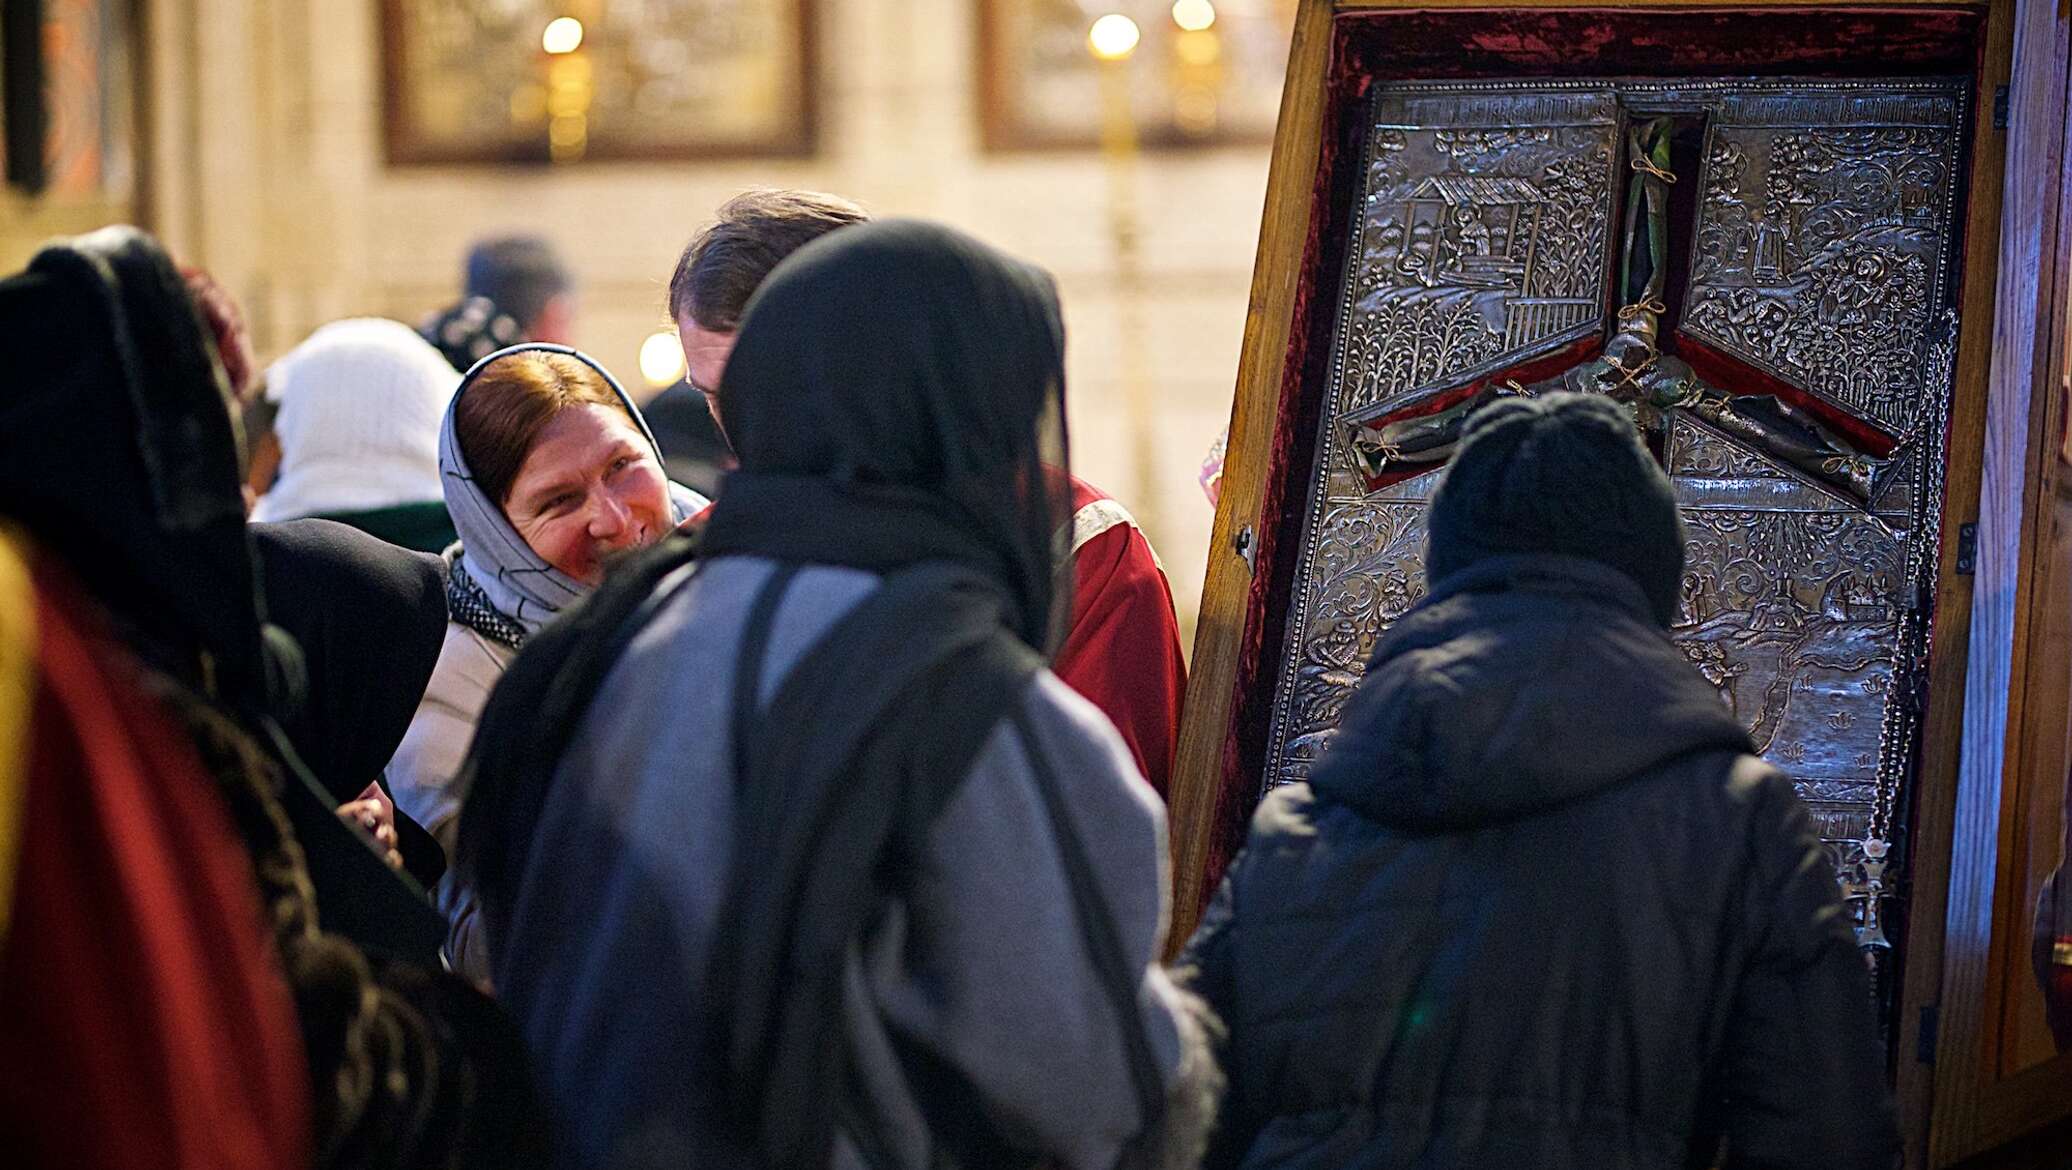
528 81
1216 83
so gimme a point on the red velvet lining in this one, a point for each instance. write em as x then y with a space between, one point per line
1457 44
1738 377
1292 456
1449 44
1526 373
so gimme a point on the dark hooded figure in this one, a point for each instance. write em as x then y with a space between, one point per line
120 458
833 872
1538 905
370 618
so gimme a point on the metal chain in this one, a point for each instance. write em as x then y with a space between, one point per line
1902 712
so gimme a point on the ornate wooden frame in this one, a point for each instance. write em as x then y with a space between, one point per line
1983 761
2013 720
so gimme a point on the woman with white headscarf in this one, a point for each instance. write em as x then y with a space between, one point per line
358 427
549 471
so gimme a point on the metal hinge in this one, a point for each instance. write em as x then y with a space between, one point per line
1247 546
2000 107
1924 1044
1967 549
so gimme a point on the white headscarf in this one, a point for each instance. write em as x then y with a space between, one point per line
359 420
515 580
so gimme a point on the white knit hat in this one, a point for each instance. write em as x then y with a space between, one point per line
360 403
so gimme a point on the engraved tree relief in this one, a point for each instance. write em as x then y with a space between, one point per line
1796 386
1820 251
1476 245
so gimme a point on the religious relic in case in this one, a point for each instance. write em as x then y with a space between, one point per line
1814 250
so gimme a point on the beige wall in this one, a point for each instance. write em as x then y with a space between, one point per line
266 167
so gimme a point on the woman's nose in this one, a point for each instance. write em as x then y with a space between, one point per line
609 516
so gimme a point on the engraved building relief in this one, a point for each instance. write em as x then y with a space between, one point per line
1477 245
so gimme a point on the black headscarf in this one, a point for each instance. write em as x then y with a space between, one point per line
894 396
470 330
896 400
120 453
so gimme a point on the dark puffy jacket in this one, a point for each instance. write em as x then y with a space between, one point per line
1538 907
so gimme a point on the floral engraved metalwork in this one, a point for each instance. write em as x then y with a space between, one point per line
1820 248
1370 563
1821 257
1694 450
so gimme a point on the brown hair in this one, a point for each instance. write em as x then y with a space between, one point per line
724 264
504 409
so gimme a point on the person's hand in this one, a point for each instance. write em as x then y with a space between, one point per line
372 813
227 324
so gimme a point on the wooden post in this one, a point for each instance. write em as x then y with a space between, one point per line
1219 634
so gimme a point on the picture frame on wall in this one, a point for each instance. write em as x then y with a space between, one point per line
1198 73
525 81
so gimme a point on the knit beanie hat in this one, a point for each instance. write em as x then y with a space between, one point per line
360 403
1568 474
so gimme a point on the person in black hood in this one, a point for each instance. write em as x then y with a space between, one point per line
798 856
120 456
1538 905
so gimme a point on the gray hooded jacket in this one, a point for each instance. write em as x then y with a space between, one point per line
981 966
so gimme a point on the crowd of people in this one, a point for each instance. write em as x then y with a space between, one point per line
402 766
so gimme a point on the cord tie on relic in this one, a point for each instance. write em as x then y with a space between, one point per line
1631 375
1645 165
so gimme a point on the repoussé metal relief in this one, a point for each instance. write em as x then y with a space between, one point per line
1499 224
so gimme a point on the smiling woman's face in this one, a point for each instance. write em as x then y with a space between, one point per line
549 439
590 487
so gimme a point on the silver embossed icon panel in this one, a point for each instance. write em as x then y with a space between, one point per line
1488 235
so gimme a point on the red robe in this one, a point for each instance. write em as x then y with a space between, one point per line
1123 649
144 1022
